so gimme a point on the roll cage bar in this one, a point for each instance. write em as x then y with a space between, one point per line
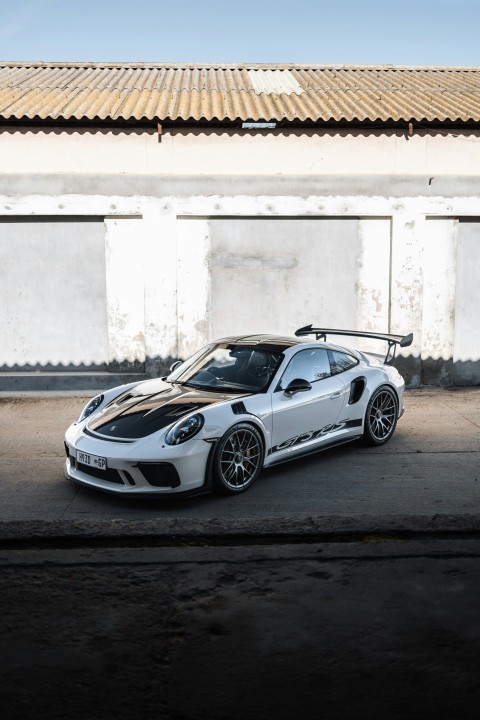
392 340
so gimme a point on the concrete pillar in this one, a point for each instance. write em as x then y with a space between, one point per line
466 356
439 272
160 273
125 293
193 284
406 294
373 279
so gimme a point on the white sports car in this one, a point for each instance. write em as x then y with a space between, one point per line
238 405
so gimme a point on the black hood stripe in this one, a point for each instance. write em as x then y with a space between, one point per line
138 414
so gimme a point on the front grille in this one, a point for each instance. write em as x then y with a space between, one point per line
110 475
160 474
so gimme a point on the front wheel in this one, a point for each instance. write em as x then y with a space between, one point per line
381 416
238 459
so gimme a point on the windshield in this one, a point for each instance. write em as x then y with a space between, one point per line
227 367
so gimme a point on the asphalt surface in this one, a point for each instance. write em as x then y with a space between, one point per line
429 468
345 586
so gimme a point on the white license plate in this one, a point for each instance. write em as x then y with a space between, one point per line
92 460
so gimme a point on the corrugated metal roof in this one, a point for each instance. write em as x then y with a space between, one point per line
238 92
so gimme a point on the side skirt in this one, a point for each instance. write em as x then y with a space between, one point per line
299 453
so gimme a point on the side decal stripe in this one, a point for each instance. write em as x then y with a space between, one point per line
315 434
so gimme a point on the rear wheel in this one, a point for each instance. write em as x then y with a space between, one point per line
238 459
381 416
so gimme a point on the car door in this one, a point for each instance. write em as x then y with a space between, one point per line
306 418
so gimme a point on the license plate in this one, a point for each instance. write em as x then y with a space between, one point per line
92 460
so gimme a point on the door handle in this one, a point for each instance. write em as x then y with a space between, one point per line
336 395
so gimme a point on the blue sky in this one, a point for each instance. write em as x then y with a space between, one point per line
407 32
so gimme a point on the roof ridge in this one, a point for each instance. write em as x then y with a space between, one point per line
231 66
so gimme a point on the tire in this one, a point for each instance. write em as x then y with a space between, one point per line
381 416
238 459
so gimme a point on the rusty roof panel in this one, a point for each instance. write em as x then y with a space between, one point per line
56 91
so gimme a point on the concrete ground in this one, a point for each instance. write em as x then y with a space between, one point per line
358 600
429 468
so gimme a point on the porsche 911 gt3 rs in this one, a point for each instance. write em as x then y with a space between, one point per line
238 405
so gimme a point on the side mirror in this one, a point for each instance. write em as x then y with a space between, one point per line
297 385
175 365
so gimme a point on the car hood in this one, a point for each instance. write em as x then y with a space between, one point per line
149 407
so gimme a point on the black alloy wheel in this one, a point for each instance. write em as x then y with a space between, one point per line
238 459
381 416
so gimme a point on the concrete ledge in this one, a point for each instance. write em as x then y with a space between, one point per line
65 381
279 529
131 185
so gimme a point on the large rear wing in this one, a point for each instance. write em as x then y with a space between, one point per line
392 340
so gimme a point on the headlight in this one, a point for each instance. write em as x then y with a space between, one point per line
91 407
184 430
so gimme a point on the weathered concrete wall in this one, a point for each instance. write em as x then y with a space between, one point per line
294 269
209 233
53 296
217 151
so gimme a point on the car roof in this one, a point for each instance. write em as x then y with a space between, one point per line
273 340
281 342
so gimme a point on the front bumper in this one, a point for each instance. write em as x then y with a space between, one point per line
139 468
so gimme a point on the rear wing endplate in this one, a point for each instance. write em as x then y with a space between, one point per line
392 340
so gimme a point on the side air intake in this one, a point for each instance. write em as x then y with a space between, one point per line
238 408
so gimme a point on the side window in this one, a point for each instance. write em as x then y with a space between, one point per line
341 361
311 365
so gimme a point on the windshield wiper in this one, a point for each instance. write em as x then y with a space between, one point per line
193 385
210 388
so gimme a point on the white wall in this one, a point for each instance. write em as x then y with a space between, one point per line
237 152
170 257
53 295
